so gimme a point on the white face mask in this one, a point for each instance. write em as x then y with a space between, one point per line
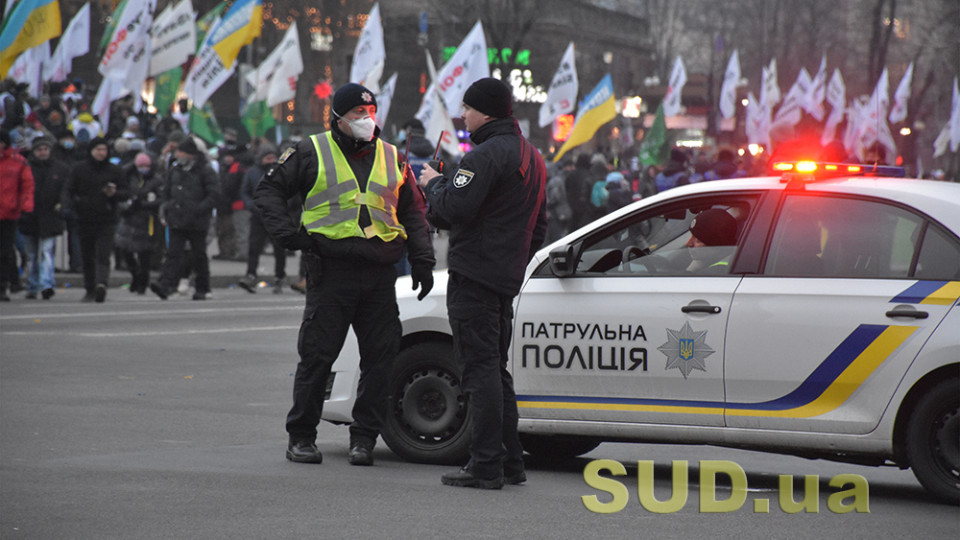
363 128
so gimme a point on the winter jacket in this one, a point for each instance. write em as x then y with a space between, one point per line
84 193
140 228
296 172
189 196
495 206
16 185
46 220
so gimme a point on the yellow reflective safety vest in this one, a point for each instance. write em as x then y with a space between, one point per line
332 206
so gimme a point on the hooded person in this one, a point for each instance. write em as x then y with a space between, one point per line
93 192
675 173
16 197
360 210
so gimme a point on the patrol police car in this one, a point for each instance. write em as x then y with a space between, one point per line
828 328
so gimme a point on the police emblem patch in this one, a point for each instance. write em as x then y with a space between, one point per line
366 97
286 153
462 178
686 350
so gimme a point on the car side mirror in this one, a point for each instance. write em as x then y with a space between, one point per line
563 261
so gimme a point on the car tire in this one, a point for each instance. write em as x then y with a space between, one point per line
933 441
427 413
556 447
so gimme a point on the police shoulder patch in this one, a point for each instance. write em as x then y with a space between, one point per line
462 178
286 154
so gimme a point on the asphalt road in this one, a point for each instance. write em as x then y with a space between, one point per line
146 419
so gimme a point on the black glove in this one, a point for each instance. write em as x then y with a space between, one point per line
423 277
301 240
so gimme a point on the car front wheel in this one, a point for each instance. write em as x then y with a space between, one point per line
427 416
933 441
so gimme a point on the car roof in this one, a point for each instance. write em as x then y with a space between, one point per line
939 200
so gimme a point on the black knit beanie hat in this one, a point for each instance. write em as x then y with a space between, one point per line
352 95
715 227
491 97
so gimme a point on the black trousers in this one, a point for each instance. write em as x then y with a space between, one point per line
342 294
173 265
9 273
258 239
139 265
481 321
96 247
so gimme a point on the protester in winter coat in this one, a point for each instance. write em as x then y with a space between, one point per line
16 197
41 227
95 188
190 192
675 174
619 193
140 232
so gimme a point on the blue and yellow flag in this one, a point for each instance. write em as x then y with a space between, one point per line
31 22
238 27
594 111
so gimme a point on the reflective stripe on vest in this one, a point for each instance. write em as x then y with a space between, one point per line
332 206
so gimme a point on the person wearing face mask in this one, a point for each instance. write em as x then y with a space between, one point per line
361 206
140 230
713 237
190 191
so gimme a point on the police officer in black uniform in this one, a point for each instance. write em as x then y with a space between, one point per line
359 210
494 206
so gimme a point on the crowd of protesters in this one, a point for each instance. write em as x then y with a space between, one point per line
113 194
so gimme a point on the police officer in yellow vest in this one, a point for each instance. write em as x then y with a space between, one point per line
359 211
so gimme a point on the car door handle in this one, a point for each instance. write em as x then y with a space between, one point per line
701 309
908 313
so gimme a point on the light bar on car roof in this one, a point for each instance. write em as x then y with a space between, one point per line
819 170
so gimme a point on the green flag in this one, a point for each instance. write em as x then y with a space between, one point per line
258 118
111 27
165 91
654 147
203 124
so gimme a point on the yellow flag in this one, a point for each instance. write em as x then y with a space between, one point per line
31 22
595 110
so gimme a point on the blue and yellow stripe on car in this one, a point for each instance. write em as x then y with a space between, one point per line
938 293
844 370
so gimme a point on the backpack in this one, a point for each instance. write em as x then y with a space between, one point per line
599 194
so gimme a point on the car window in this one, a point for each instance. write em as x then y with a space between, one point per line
653 242
822 236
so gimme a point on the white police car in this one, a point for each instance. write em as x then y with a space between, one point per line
828 327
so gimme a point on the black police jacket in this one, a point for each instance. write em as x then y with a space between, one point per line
494 205
295 174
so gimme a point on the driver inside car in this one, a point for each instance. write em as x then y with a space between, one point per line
713 237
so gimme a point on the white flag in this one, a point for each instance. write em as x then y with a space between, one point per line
562 95
955 119
261 78
942 142
790 113
899 111
770 93
758 121
728 92
468 64
370 55
126 44
174 37
283 85
74 42
678 78
207 72
29 68
384 99
837 98
813 103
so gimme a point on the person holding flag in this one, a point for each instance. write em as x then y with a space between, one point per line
361 208
495 208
